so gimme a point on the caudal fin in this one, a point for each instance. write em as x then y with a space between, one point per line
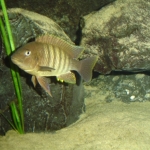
86 67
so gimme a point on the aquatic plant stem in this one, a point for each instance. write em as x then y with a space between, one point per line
9 45
16 118
15 79
4 10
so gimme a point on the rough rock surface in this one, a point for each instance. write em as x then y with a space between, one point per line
66 13
104 126
42 112
28 27
108 123
123 85
119 34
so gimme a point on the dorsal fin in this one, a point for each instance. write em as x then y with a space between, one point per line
73 50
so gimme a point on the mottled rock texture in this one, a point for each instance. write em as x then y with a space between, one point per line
54 113
119 34
124 86
66 13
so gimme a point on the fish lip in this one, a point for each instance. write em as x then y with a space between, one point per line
19 64
14 60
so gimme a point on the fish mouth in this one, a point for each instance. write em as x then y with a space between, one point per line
20 64
17 62
14 60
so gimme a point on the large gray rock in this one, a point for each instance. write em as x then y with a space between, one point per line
66 13
27 25
123 86
42 112
120 35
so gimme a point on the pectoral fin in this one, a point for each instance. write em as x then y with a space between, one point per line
44 84
67 77
45 68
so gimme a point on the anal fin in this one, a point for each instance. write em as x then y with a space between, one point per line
67 77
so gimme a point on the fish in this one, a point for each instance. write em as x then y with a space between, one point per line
49 56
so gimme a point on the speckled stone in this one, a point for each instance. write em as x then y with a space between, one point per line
119 34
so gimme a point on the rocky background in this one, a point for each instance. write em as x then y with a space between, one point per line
66 13
118 33
43 113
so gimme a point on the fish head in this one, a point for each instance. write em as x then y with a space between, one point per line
27 56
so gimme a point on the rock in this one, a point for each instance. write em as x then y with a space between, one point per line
104 126
29 25
119 34
123 86
42 112
66 13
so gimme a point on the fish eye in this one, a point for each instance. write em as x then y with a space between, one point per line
27 53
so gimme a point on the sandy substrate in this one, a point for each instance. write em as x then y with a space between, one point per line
104 126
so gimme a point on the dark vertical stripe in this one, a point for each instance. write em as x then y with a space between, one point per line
54 57
47 55
62 61
44 55
65 58
57 61
67 63
50 55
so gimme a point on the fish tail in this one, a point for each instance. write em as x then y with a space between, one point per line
86 67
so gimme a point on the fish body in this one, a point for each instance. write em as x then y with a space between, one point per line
49 55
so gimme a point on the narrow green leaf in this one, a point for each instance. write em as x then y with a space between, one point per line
7 25
9 45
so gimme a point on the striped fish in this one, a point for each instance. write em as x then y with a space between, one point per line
49 55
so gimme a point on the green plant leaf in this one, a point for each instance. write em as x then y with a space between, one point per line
10 47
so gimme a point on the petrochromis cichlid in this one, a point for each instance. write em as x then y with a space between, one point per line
49 55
